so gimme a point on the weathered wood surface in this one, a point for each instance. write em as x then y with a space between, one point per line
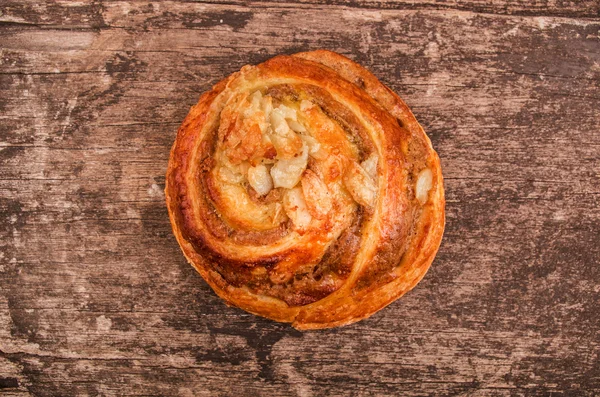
96 298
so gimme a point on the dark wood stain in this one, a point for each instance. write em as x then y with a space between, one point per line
96 298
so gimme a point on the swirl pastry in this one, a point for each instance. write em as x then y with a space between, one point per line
304 190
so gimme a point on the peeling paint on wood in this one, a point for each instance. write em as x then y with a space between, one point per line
96 298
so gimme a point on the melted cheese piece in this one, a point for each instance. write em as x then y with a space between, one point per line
423 185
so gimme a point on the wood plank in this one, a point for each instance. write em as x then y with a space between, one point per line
68 13
95 297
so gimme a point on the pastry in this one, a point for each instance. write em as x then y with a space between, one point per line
304 190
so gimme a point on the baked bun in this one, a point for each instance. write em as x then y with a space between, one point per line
304 190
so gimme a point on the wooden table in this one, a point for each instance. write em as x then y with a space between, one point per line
96 298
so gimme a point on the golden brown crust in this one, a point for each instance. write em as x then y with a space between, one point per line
354 222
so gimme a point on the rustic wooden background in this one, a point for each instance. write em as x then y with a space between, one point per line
96 298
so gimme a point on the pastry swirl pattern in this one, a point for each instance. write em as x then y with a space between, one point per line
302 189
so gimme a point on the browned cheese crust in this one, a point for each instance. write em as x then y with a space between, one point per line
304 190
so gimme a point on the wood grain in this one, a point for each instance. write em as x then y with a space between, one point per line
96 298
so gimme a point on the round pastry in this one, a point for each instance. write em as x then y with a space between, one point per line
304 190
